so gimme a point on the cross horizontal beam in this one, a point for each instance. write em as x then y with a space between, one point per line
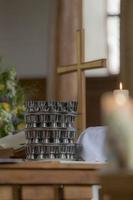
83 66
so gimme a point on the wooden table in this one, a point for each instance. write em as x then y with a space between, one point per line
48 180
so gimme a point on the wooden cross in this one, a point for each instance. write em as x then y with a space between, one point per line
80 67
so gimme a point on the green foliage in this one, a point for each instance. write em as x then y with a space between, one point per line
11 103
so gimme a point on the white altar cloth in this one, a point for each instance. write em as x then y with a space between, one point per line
93 143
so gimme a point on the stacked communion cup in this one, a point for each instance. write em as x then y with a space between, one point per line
50 131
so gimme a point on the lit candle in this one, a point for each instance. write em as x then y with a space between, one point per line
121 91
121 95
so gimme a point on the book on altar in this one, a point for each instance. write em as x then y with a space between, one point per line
15 141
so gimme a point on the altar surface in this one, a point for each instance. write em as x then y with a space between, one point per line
48 180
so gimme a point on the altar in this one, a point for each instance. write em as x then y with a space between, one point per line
48 180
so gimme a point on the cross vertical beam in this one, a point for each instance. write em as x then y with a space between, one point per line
81 120
80 67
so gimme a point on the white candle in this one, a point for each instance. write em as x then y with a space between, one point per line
121 95
121 91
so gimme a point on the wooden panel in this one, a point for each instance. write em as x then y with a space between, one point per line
38 193
6 193
95 87
80 177
77 193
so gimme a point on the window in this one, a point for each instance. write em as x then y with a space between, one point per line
113 35
101 21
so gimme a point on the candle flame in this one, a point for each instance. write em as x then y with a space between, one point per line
121 86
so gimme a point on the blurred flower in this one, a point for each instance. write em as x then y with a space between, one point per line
6 106
2 87
5 116
11 103
9 128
